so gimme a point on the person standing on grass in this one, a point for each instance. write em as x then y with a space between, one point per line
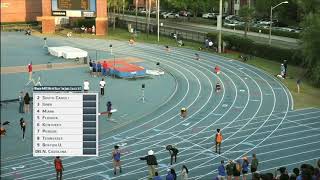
229 169
26 100
254 164
102 85
59 167
21 102
285 65
298 85
218 140
151 162
116 159
221 171
245 168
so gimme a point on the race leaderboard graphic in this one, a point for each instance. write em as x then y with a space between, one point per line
65 121
73 4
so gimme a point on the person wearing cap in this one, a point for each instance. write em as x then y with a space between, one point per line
173 152
221 171
218 140
151 162
245 168
183 112
229 169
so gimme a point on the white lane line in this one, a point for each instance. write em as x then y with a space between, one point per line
197 96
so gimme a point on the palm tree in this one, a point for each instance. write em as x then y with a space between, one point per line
246 13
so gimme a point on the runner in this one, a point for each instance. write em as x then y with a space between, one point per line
23 127
218 87
218 140
30 70
59 167
183 113
116 159
102 85
173 153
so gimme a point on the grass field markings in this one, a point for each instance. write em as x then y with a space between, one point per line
264 170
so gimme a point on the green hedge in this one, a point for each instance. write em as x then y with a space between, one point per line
247 46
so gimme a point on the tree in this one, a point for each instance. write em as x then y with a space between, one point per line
310 46
114 5
246 13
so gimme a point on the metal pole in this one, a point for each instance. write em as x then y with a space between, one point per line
220 26
158 13
136 15
270 27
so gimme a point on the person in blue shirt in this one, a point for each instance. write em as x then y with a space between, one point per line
156 176
116 159
94 68
171 175
99 69
221 171
245 168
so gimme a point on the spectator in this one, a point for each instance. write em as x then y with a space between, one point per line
236 170
206 43
254 164
316 173
245 169
255 176
156 176
294 174
93 29
283 174
26 101
90 67
221 171
184 172
285 65
229 169
171 175
99 68
94 68
104 68
21 102
151 162
298 85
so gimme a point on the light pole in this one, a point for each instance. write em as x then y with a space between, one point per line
136 16
219 26
270 28
158 16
